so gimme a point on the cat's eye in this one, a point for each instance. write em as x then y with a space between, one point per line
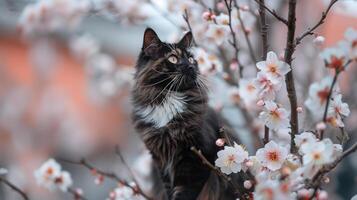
191 60
173 59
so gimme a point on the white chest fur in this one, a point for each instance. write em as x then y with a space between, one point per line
160 115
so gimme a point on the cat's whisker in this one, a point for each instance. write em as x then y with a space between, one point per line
163 90
160 81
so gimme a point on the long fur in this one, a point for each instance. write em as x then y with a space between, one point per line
171 115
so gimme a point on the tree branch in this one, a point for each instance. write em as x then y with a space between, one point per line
272 12
334 81
289 79
233 43
109 175
187 20
315 181
246 34
14 187
310 31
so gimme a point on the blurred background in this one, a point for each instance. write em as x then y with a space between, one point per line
66 93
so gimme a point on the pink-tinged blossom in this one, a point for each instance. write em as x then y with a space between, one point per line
274 68
248 91
337 110
272 190
64 181
217 33
272 155
274 117
267 88
318 94
50 176
230 159
335 57
319 41
207 63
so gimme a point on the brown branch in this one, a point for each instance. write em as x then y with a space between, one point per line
315 181
109 175
310 31
289 79
334 81
233 43
264 34
272 12
14 187
187 20
118 152
246 34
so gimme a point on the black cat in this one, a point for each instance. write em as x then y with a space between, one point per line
171 114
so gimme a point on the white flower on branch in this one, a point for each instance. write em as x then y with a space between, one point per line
53 15
230 159
207 63
304 137
124 193
267 88
272 189
317 153
318 94
248 91
337 109
274 117
217 33
50 176
272 155
335 57
222 19
274 68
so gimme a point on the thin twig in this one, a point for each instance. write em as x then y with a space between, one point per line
109 175
272 12
246 34
310 31
132 174
315 181
289 80
334 81
187 20
14 187
233 42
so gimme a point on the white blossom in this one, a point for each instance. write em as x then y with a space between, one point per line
207 63
317 153
318 94
335 57
267 88
274 68
230 159
274 117
217 33
124 193
248 91
304 137
47 174
272 155
337 109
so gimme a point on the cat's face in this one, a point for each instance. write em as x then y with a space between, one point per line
167 66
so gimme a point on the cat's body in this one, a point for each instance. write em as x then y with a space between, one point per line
171 114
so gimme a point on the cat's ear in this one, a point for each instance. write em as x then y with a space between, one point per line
151 42
186 41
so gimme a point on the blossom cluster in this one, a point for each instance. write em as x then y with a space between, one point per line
279 174
51 176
